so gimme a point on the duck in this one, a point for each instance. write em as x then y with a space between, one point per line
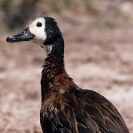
65 107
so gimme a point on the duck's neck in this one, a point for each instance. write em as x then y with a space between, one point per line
54 76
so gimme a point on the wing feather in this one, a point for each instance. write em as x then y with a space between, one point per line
83 111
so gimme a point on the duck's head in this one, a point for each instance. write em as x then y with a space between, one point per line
42 30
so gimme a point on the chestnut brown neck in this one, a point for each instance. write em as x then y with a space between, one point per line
54 77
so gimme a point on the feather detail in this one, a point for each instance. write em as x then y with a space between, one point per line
82 111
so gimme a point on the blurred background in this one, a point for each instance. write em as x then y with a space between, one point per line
98 55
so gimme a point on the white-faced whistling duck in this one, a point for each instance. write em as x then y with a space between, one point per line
65 107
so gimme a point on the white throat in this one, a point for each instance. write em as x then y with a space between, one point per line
48 48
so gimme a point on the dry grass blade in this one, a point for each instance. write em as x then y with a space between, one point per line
8 126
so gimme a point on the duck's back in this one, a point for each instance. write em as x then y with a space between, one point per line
80 111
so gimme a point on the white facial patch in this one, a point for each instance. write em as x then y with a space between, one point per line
38 32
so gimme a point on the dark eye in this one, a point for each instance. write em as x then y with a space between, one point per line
39 24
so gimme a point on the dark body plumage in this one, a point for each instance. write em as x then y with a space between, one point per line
66 108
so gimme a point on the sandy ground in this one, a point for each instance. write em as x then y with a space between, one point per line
101 60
